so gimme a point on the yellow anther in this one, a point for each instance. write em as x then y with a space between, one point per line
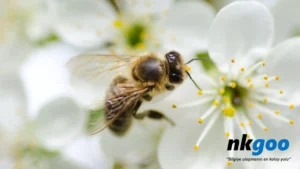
248 79
223 78
140 45
248 135
265 100
232 60
259 116
143 35
229 111
266 77
251 105
216 103
266 129
292 106
227 134
200 120
187 68
277 112
222 91
250 122
281 91
118 23
276 78
233 84
251 85
196 147
229 163
263 64
225 99
174 106
292 122
200 92
242 124
242 69
267 85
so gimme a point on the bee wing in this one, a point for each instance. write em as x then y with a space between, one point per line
124 100
92 67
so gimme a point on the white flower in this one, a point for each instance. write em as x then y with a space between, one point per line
139 26
254 90
33 142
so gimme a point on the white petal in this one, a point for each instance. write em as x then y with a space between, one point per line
83 23
176 146
87 152
59 122
12 102
238 29
287 19
284 61
141 7
187 26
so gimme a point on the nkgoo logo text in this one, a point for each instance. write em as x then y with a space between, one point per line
258 145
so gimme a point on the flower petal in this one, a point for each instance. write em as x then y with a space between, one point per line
284 62
238 29
287 19
82 23
176 147
187 26
142 7
59 121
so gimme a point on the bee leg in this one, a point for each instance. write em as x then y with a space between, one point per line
153 114
147 97
136 107
170 87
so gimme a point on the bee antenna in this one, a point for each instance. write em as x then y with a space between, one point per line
202 59
193 80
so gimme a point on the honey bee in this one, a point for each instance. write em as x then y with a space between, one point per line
148 76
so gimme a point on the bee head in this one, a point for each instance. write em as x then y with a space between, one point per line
176 70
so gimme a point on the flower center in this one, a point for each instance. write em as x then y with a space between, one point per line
135 35
236 95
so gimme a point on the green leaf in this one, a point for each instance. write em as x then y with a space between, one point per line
208 65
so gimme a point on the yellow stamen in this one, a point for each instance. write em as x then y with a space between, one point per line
250 122
242 124
232 60
229 163
216 103
229 111
223 78
276 78
227 134
277 112
143 34
292 106
248 136
265 100
200 92
222 91
263 64
248 79
225 99
187 68
140 45
200 120
259 116
281 91
196 148
251 105
267 85
292 122
265 77
266 129
242 69
174 106
251 85
233 85
118 23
